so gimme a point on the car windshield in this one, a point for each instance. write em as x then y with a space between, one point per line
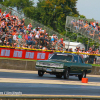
64 57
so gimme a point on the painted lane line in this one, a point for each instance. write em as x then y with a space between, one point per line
51 96
34 72
43 81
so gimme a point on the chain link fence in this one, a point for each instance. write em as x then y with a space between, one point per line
79 25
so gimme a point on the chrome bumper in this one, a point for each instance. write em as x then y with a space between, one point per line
49 69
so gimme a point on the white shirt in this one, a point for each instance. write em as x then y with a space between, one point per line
14 37
37 36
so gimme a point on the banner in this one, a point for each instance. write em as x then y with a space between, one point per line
38 54
24 54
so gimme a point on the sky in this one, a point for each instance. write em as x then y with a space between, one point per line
89 8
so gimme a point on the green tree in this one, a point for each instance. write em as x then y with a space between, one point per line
1 1
19 4
82 16
29 12
53 12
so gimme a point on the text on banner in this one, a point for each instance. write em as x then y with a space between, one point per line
29 55
41 56
5 52
17 54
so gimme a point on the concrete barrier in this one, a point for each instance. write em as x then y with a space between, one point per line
17 64
30 65
95 70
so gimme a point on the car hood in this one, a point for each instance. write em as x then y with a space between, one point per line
54 61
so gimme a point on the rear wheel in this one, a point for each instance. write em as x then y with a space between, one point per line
66 74
40 73
82 76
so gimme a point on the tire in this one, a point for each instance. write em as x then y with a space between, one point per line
66 74
58 76
82 76
40 73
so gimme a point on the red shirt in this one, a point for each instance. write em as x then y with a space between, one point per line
7 15
61 40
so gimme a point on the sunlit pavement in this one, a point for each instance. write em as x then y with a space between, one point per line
30 84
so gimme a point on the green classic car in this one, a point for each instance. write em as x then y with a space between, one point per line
63 64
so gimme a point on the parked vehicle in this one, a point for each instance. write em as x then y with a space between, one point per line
73 45
63 64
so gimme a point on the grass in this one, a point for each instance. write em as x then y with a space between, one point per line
17 59
98 65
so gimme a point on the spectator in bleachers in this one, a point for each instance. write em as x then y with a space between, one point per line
53 40
13 32
0 41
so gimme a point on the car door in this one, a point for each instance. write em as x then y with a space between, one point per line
75 65
82 64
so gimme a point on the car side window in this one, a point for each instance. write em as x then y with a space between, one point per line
76 59
80 60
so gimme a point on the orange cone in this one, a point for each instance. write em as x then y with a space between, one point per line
84 80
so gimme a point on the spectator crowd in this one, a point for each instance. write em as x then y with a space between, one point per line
14 33
90 29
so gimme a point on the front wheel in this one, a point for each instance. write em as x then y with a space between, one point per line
79 77
66 74
82 76
40 73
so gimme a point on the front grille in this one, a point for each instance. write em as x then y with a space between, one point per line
49 64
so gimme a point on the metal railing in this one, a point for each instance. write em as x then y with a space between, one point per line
79 25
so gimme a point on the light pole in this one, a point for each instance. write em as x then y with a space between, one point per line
68 39
88 44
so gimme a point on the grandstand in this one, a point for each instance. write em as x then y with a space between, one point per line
90 29
19 31
36 29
